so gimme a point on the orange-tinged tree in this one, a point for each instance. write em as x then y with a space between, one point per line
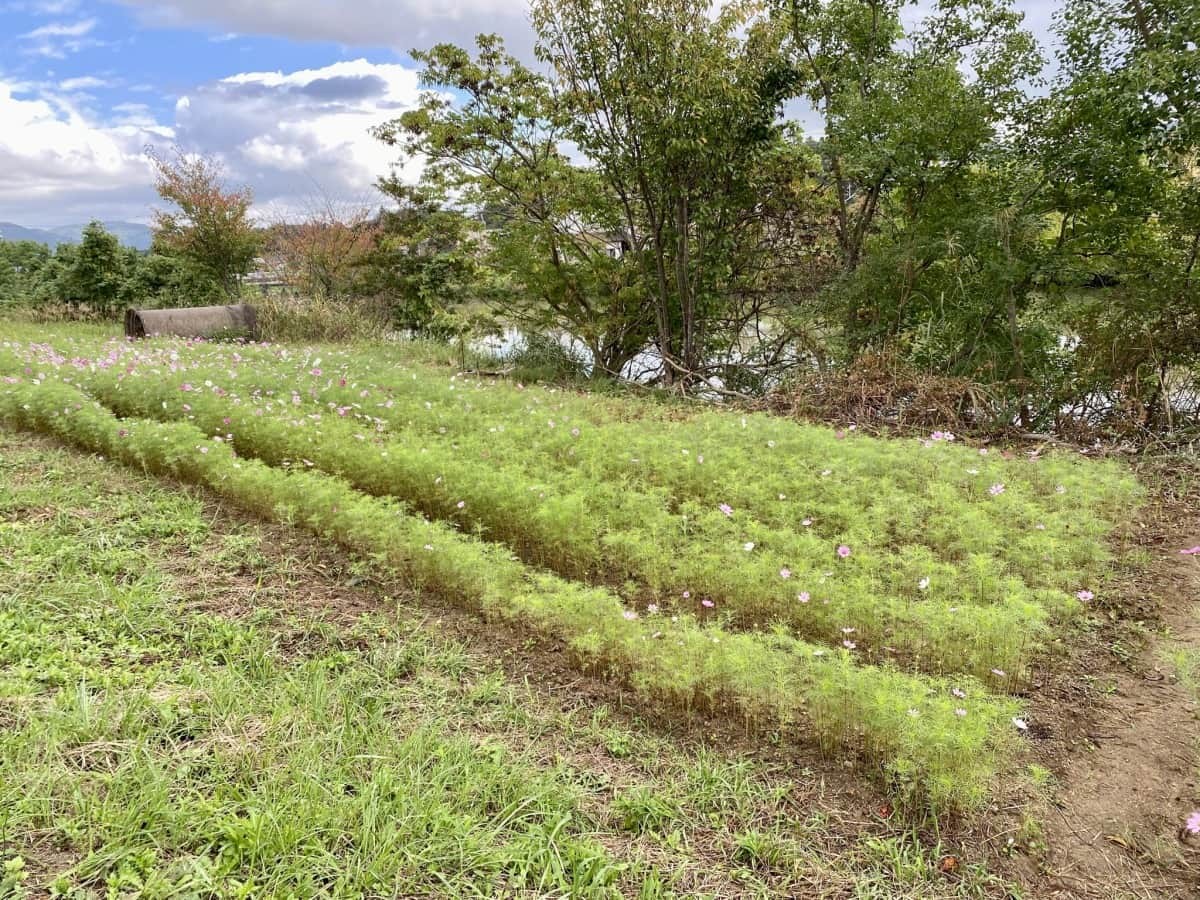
210 226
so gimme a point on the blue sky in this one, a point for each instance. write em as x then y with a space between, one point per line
284 91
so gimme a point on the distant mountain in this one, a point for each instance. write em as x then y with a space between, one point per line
10 231
131 234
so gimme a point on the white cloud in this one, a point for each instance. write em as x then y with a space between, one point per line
63 29
57 39
54 158
286 134
83 83
399 24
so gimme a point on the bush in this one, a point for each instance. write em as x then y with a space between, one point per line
288 318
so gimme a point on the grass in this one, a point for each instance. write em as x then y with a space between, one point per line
194 705
882 596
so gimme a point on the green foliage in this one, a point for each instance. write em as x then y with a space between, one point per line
97 275
424 261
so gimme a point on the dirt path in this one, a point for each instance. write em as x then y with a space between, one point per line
1127 767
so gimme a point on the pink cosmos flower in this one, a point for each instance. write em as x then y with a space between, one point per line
803 597
707 604
959 693
462 504
996 489
687 595
726 508
1193 823
785 572
960 712
843 551
1085 595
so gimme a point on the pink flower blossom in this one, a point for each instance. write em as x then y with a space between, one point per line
726 508
1085 595
807 523
652 608
629 615
1193 823
959 693
803 597
960 712
1191 551
462 504
843 551
849 645
687 595
996 489
785 572
707 604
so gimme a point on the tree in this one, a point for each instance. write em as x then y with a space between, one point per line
97 272
500 152
211 226
21 263
676 109
426 259
324 253
1119 140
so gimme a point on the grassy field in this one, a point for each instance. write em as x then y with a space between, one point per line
198 705
884 604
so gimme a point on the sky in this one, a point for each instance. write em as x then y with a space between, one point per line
283 92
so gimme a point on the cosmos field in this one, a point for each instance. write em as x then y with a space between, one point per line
882 598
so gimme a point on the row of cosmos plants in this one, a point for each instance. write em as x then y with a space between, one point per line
883 599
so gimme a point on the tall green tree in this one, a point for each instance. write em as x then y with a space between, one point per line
97 273
1119 140
677 109
500 149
